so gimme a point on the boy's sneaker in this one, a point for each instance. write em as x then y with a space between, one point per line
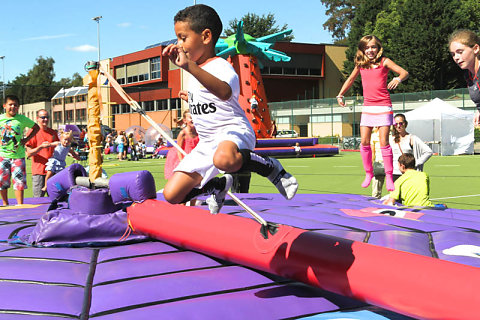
216 200
284 181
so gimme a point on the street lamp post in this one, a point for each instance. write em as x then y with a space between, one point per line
97 18
3 77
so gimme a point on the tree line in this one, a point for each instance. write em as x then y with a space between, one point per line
414 34
39 84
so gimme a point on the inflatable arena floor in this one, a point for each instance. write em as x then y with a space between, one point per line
138 278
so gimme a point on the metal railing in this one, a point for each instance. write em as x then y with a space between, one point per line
325 118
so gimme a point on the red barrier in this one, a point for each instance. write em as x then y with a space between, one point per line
403 282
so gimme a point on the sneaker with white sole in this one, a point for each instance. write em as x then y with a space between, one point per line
284 181
216 200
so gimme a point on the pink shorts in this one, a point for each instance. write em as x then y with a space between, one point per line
376 116
13 169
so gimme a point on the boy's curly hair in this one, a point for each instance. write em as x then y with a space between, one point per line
201 17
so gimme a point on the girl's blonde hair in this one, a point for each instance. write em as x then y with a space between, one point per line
465 37
67 135
361 60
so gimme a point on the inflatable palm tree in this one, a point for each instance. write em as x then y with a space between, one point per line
246 54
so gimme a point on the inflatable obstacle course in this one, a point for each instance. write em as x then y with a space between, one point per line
361 244
283 147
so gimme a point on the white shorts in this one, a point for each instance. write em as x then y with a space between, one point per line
200 160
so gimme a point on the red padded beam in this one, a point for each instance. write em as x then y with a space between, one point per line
403 282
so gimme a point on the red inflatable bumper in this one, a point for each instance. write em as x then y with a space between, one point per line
403 282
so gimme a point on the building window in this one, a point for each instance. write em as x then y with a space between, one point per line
125 108
162 104
276 70
149 105
115 109
120 74
81 98
175 103
81 114
155 67
138 71
69 100
68 115
326 118
283 120
57 116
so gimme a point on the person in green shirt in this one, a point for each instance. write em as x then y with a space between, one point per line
413 187
12 149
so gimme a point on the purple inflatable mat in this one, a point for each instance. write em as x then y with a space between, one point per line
155 280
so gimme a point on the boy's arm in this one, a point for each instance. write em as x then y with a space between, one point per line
30 135
219 88
395 194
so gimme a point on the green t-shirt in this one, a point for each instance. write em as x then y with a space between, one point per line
413 189
11 132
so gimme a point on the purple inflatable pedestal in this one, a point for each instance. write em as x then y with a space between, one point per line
136 186
60 183
88 201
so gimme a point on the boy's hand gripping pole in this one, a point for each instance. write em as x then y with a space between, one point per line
267 227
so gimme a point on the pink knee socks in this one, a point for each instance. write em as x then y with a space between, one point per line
388 164
366 153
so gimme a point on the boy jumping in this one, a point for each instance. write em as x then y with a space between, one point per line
226 136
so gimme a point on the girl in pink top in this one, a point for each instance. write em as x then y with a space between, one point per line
377 106
187 139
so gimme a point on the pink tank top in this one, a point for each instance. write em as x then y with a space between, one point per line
374 82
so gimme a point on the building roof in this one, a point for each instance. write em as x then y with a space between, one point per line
162 44
70 92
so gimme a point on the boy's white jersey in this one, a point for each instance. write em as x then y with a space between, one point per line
210 114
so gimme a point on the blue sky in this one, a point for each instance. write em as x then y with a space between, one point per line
65 31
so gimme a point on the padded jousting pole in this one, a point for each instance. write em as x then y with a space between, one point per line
407 283
93 121
266 227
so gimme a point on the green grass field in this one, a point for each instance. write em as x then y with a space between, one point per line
453 180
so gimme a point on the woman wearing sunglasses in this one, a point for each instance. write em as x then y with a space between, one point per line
404 142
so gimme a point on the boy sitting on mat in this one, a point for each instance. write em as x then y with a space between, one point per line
226 136
413 187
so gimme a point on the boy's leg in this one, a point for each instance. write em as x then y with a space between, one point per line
270 168
180 188
19 196
4 194
19 178
230 159
220 188
5 177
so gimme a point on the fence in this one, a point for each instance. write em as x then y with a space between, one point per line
324 118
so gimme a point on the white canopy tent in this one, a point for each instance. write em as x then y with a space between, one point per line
450 129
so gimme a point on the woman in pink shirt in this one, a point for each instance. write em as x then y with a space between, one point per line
377 106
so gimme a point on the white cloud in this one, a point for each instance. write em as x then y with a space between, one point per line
124 24
83 48
48 37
